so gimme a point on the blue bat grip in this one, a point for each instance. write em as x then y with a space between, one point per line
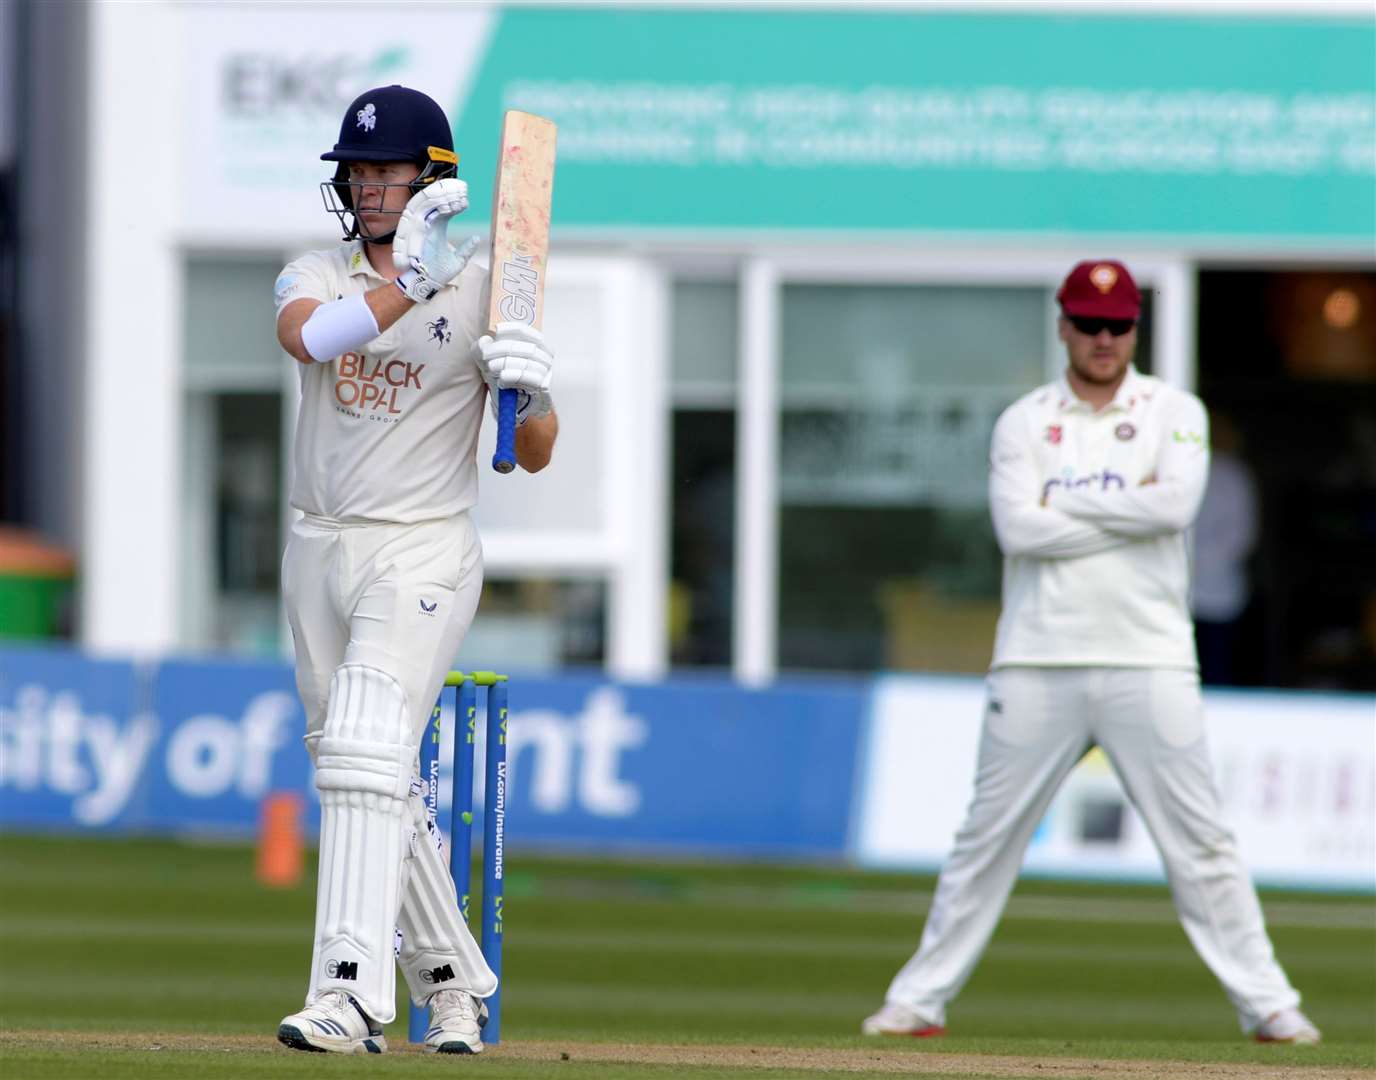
504 460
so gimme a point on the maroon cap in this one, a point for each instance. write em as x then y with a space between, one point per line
1100 290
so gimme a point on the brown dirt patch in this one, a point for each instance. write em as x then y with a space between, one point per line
914 1063
820 1060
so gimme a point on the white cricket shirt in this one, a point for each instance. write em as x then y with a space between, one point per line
1100 574
389 431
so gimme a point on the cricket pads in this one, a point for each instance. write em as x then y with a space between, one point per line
364 761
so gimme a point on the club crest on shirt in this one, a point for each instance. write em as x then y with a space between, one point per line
1053 434
1125 431
439 331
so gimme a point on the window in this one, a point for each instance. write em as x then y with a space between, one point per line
703 479
889 395
537 625
232 461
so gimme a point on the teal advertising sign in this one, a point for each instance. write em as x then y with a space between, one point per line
1235 132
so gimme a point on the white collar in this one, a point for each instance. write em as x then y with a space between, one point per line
356 259
1129 392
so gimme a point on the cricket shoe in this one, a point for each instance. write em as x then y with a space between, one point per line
894 1019
334 1023
455 1022
1288 1026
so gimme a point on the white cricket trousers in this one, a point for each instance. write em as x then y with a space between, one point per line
399 598
1038 723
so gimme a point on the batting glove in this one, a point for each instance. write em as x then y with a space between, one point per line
421 249
515 357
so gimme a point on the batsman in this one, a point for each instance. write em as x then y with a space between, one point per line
382 571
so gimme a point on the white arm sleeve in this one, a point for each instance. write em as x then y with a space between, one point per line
1023 526
337 327
1170 502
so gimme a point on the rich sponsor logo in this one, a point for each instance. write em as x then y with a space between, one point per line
1187 437
342 969
286 285
443 973
1106 480
428 609
1053 434
1125 431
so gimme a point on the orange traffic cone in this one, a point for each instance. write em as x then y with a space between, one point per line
281 853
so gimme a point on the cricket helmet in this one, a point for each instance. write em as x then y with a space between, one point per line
388 123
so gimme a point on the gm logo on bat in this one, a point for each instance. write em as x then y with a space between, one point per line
521 283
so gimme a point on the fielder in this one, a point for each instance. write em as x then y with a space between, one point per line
1094 479
382 572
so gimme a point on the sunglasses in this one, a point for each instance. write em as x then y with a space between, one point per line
1093 327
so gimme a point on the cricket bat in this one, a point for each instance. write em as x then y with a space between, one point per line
520 245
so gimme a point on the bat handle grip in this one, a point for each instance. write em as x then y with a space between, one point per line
504 460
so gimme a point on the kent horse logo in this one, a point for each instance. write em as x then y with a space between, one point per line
439 331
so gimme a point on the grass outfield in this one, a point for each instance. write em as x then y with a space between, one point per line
157 959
